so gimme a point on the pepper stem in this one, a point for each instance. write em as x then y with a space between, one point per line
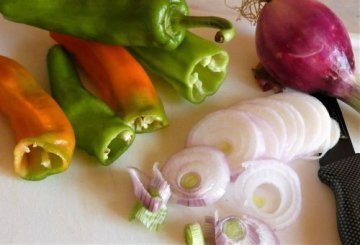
225 34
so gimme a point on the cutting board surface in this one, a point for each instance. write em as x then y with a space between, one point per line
90 203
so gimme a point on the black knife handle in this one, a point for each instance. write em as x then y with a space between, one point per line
343 177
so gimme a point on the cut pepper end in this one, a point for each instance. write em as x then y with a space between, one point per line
36 158
209 68
116 144
147 121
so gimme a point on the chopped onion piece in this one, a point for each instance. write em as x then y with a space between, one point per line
159 183
197 175
153 193
151 220
232 132
279 205
239 230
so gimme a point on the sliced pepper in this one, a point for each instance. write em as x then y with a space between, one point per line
196 69
45 138
160 23
120 80
97 130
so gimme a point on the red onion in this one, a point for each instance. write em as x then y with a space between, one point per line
305 46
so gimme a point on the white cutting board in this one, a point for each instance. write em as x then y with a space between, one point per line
90 204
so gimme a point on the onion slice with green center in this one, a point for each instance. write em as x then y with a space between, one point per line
270 191
197 175
239 230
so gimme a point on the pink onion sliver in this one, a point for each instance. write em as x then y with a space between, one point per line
142 183
160 184
193 202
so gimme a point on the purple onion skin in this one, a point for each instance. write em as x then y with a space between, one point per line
305 46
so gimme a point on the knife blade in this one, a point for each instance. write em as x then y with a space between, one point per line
340 170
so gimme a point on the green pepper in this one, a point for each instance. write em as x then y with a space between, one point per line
160 23
97 130
196 69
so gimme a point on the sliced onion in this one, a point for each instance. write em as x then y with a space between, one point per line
143 185
197 175
159 183
240 230
294 128
272 147
280 203
300 128
317 123
232 132
269 115
300 122
329 143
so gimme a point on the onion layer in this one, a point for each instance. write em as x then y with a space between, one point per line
270 191
233 132
198 175
303 128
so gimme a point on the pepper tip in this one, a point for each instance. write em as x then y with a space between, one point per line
219 38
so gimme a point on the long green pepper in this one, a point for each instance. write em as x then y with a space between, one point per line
196 69
97 130
159 23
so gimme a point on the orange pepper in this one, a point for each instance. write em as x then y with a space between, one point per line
45 138
120 81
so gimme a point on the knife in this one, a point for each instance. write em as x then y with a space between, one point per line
340 170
